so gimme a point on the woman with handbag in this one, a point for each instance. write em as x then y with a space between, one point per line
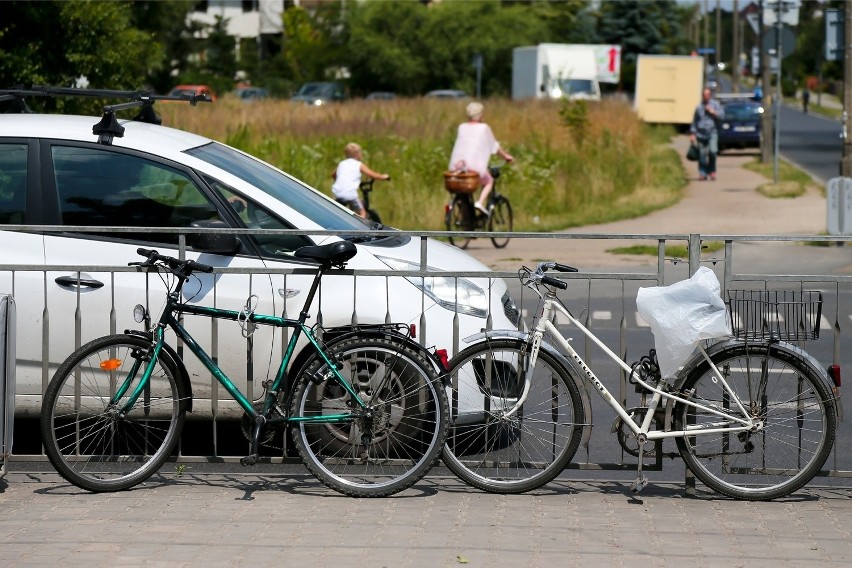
704 132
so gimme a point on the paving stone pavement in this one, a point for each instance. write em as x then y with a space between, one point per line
223 519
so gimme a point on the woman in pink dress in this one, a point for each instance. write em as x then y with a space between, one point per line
475 144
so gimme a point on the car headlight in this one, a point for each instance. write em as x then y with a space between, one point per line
455 294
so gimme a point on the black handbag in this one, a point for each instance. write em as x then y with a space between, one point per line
692 153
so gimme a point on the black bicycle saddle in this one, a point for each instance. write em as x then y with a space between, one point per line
332 254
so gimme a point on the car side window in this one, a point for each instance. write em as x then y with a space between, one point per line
13 183
255 216
103 188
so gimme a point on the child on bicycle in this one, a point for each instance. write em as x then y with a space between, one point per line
347 178
475 143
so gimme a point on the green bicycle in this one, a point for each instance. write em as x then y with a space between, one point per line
368 412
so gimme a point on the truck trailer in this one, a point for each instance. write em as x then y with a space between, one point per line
554 70
668 87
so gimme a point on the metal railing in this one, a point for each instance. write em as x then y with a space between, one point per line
606 296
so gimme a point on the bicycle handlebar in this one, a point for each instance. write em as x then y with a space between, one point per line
180 268
532 278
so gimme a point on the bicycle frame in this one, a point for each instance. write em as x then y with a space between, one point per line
543 324
167 319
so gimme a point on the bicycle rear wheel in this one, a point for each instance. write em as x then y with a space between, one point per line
87 439
379 455
796 411
510 454
460 217
500 220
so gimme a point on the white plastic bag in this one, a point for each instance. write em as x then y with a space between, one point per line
683 314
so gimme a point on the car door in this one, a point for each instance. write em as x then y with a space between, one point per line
19 204
100 186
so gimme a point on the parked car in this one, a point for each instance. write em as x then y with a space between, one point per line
55 171
380 96
192 90
446 94
248 94
741 126
318 94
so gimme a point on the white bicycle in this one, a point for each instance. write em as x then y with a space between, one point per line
754 417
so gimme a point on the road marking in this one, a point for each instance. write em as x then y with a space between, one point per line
824 324
602 315
640 322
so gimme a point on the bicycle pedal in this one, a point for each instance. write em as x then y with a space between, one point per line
249 460
639 484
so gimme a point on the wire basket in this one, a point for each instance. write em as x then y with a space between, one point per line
782 315
461 181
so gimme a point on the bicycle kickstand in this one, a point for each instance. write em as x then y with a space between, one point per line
641 481
251 459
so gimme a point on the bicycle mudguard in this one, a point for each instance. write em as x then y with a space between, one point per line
805 357
575 372
172 358
388 331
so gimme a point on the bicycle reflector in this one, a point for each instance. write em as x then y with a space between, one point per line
441 354
110 364
834 373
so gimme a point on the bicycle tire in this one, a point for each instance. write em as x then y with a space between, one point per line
408 428
86 440
521 453
459 218
781 457
500 220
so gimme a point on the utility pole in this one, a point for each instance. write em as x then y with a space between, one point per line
735 72
846 162
768 99
706 24
779 94
718 35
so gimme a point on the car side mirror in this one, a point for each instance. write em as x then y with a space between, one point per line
213 243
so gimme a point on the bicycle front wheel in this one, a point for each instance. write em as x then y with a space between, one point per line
87 437
382 451
510 454
791 403
500 220
460 217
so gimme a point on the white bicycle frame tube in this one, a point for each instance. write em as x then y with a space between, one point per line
545 325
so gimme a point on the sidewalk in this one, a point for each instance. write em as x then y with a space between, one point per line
728 206
292 520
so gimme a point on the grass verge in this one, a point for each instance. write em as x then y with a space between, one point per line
679 251
792 182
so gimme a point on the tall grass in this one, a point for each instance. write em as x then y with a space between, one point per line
620 168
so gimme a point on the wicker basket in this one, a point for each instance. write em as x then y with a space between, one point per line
461 181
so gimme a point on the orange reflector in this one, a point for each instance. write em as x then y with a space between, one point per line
110 364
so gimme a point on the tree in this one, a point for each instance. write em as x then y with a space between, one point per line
641 26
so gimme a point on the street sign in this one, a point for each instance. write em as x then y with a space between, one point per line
838 200
753 19
833 35
789 12
755 61
788 41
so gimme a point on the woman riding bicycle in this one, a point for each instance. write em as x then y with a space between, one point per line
474 146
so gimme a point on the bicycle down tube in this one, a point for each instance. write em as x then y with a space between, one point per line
544 324
299 327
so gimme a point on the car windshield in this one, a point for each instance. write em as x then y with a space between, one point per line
734 111
315 89
309 202
576 85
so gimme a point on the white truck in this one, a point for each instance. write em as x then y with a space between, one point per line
556 70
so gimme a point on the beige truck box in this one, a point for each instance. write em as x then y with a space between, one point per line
668 87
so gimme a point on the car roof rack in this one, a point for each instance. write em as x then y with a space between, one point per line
108 127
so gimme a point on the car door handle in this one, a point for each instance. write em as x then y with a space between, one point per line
77 281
